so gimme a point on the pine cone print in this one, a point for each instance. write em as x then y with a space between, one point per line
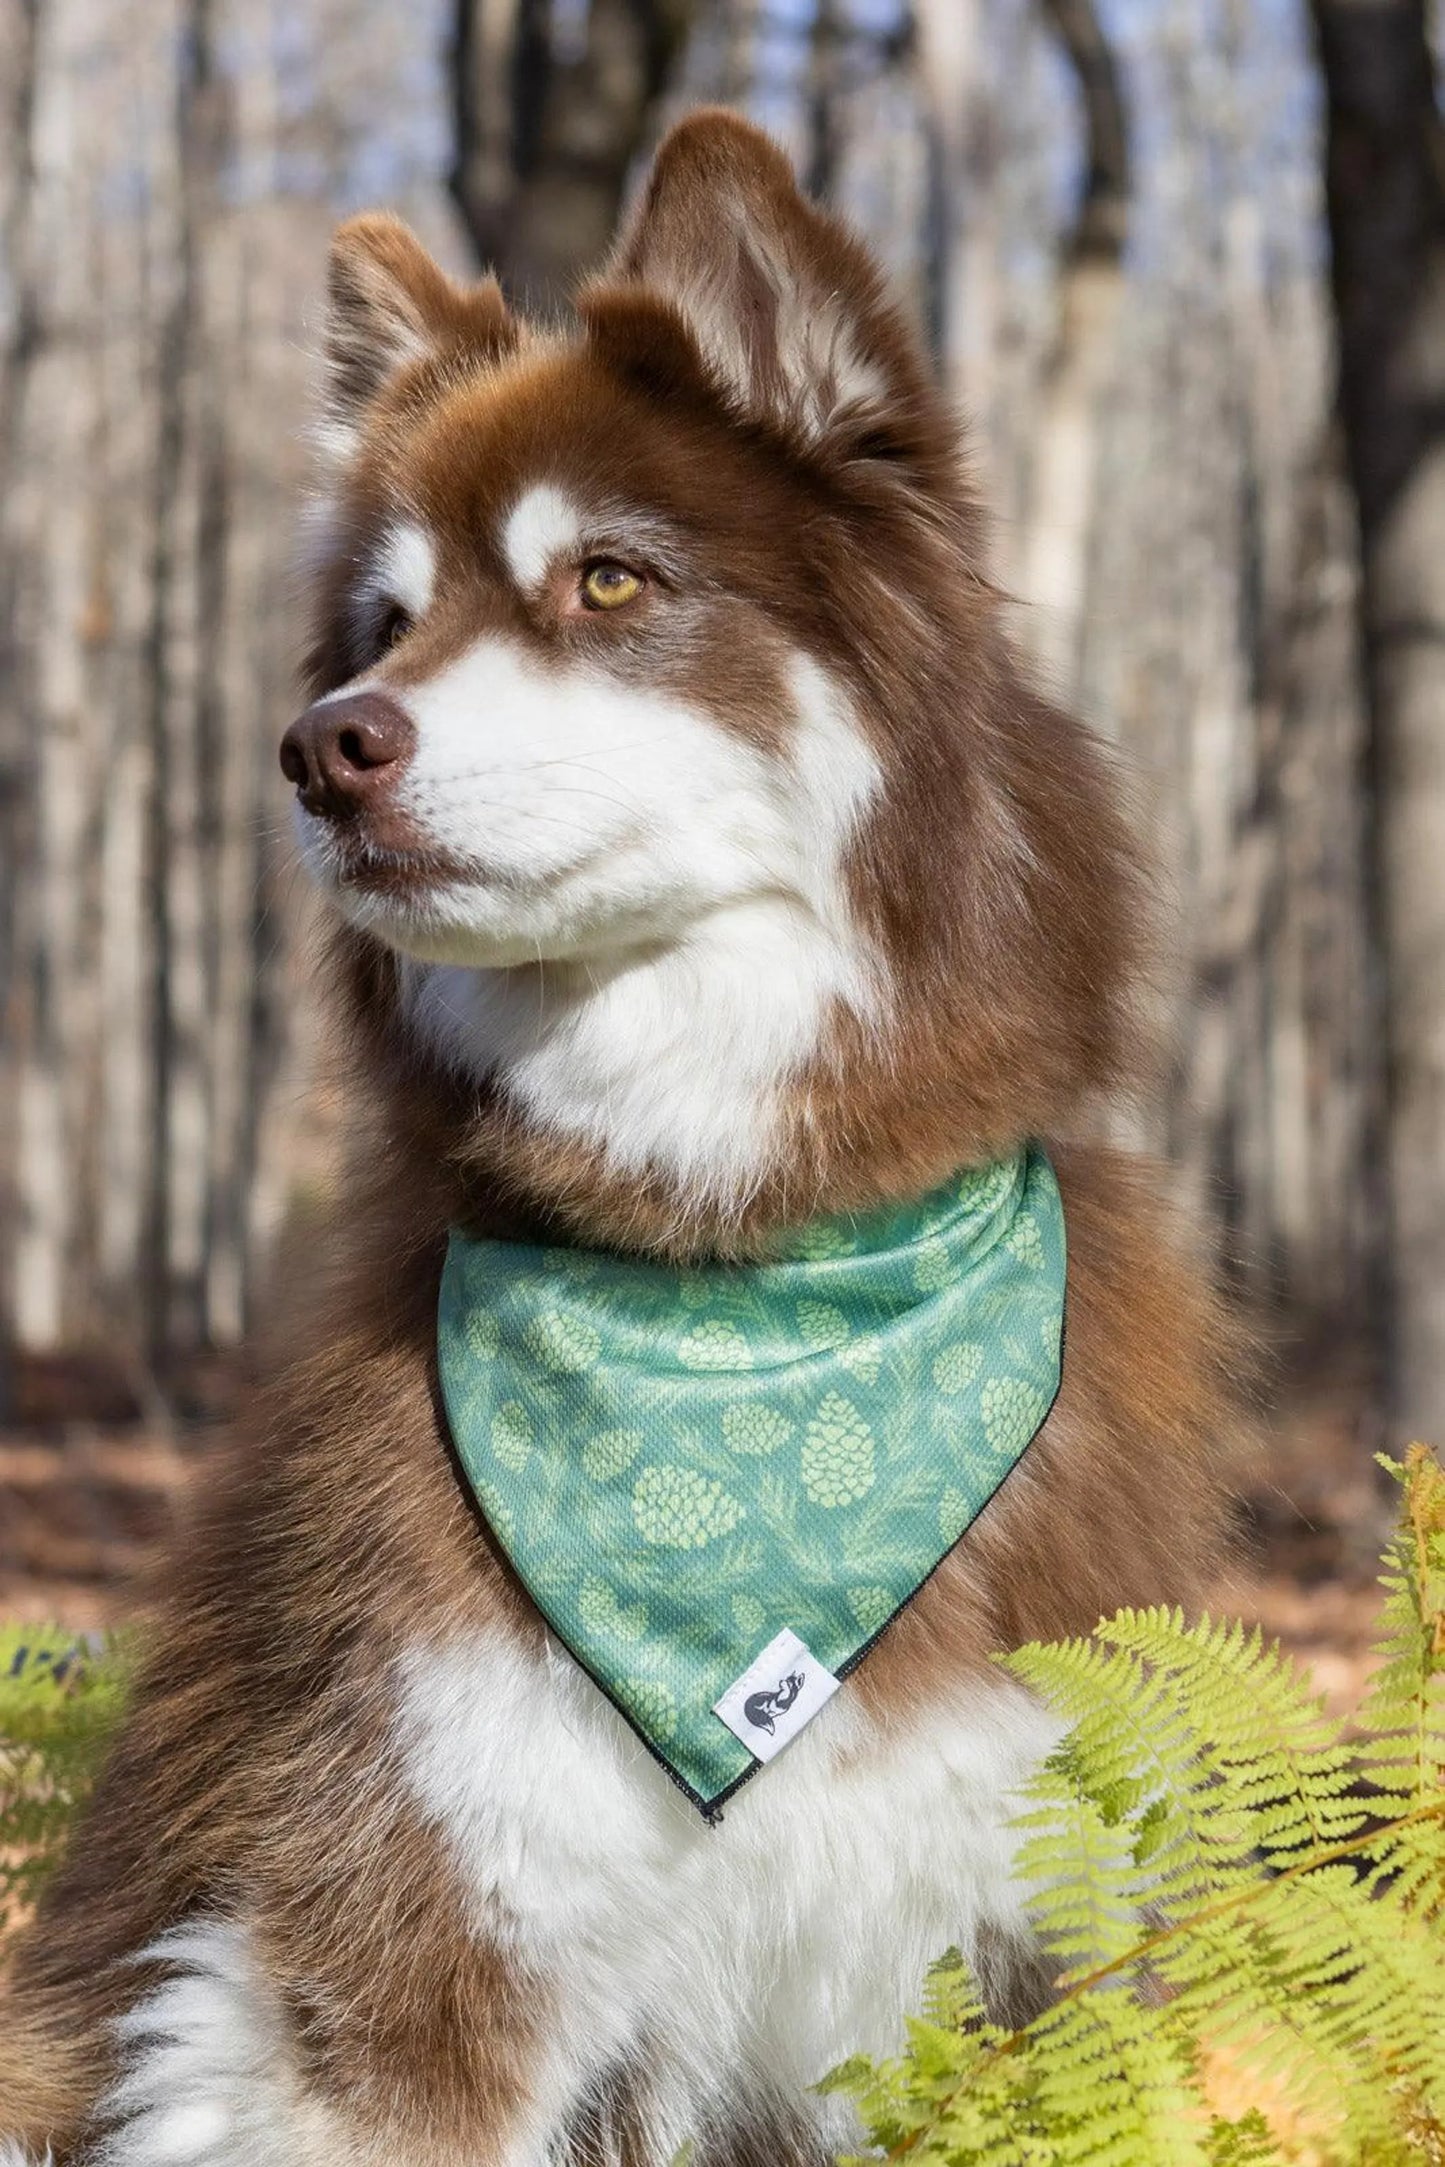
496 1512
822 1325
863 1357
512 1435
984 1188
600 1611
481 1335
755 1430
654 1707
954 1514
1012 1411
1026 1242
565 1345
749 1617
933 1268
820 1243
955 1369
678 1509
872 1607
609 1453
715 1345
837 1454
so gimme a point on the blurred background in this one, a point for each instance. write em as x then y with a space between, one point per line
1182 262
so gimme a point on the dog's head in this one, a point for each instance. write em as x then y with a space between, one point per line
664 732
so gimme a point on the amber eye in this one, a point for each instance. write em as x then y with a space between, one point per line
606 585
394 627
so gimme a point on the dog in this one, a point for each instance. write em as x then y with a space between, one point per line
702 860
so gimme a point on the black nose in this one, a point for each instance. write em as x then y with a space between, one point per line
343 755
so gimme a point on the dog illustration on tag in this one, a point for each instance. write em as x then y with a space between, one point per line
763 1709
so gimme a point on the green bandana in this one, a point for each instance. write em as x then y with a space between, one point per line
719 1485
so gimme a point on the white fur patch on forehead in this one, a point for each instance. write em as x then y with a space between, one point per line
404 569
542 526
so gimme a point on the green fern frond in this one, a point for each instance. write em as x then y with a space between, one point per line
1249 2142
1404 1708
60 1700
1232 1881
1249 1722
1130 1751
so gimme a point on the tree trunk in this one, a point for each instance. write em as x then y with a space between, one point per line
1386 196
547 118
1091 291
150 386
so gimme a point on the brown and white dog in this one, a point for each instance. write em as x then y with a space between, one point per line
702 860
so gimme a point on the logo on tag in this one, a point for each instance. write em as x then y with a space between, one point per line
780 1691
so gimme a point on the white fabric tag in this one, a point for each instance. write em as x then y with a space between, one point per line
780 1691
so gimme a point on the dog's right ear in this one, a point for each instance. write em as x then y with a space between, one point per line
390 307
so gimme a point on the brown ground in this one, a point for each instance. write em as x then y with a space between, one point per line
1315 1522
87 1487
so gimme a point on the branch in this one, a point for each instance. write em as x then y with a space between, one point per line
1103 216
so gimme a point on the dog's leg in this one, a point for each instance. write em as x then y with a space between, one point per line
213 2074
208 2070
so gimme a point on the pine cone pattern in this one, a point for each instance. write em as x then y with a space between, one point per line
512 1435
863 1357
955 1369
566 1345
484 1336
983 1189
678 1509
954 1514
872 1607
1026 1242
679 1463
934 1266
838 1456
654 1707
715 1345
609 1453
755 1428
823 1324
601 1612
1013 1408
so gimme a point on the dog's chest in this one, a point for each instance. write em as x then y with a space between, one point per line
793 1932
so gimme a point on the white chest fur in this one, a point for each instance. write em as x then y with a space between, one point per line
731 1965
734 1962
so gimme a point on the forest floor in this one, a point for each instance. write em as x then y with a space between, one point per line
86 1502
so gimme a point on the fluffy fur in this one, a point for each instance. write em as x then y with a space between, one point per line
777 888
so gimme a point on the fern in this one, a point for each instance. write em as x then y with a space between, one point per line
1245 1906
1238 1897
60 1699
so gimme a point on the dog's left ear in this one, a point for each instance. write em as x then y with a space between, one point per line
783 307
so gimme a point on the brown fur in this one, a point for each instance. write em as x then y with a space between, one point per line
1001 886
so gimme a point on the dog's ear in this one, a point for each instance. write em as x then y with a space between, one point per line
782 304
390 306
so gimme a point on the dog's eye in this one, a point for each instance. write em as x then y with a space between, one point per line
393 628
608 585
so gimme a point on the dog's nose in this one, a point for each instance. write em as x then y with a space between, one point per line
343 754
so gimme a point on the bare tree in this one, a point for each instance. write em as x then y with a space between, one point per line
1152 420
1385 169
549 109
1090 292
